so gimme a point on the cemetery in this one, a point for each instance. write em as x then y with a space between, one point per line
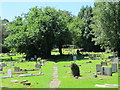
51 74
65 45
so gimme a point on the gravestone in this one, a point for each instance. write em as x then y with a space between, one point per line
114 67
102 71
16 69
98 67
1 68
104 63
12 64
2 64
75 70
106 71
9 73
115 60
42 62
74 58
32 59
37 65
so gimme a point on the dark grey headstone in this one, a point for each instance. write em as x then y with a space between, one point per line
114 67
98 67
16 69
75 70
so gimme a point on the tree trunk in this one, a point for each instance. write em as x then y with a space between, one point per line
118 53
60 50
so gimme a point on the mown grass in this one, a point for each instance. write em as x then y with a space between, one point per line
36 81
86 81
67 80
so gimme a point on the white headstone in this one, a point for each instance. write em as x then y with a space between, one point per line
115 60
74 58
42 62
32 59
9 73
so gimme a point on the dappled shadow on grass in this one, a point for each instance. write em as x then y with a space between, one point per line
7 60
59 58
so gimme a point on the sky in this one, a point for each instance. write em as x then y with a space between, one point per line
8 10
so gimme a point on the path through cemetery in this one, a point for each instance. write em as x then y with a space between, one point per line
55 82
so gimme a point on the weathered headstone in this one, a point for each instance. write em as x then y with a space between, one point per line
12 64
16 69
32 59
114 67
75 70
9 73
115 60
108 71
98 67
37 65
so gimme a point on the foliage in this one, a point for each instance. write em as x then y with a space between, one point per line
106 25
38 31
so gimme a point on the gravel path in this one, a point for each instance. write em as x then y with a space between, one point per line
55 82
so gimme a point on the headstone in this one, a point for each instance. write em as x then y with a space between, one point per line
2 64
102 71
75 70
9 73
37 65
12 64
42 62
104 63
114 67
98 67
1 68
94 75
108 71
74 58
16 69
115 60
32 59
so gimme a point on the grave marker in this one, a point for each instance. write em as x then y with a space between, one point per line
1 68
114 67
9 73
98 67
16 69
106 71
74 58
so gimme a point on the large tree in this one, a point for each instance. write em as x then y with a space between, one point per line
106 25
38 31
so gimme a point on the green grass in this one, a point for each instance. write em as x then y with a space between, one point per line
86 81
67 80
36 81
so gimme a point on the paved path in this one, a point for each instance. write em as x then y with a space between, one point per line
55 82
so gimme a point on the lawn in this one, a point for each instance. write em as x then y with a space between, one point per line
64 73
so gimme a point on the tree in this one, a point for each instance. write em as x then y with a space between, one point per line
3 34
107 24
38 31
85 40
